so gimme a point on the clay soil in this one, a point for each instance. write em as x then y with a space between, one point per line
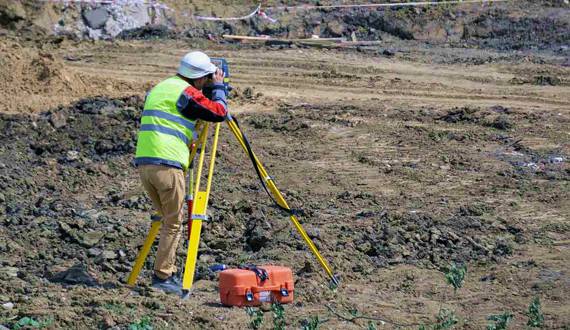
402 163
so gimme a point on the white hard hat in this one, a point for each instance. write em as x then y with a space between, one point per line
195 65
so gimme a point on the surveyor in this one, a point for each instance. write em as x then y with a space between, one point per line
170 113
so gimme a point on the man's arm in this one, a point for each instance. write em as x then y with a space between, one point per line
193 105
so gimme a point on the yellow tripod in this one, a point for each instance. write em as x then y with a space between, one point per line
199 205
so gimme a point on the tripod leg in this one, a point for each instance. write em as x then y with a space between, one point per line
200 206
281 201
143 253
193 150
194 242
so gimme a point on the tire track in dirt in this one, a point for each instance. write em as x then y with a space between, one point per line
318 75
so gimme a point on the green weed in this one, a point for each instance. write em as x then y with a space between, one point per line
534 313
446 319
500 321
372 326
144 324
278 316
312 323
115 308
456 275
256 317
29 322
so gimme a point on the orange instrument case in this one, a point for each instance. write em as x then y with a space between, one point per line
247 287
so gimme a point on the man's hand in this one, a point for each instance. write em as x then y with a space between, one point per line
218 77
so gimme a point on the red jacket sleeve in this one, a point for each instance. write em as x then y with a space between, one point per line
193 105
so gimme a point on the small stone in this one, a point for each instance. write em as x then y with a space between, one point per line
72 155
58 119
336 28
9 271
220 244
8 305
364 247
109 322
109 255
91 238
207 258
313 233
94 252
78 274
122 254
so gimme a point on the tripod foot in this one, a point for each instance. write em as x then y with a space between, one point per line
185 294
335 282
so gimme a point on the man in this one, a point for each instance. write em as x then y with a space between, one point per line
171 110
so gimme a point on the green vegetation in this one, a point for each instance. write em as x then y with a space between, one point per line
278 316
144 324
446 319
311 324
256 317
30 323
534 313
456 275
500 321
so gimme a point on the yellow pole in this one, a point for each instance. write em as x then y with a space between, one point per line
198 207
143 253
212 161
279 198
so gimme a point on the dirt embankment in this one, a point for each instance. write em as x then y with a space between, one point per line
504 26
34 79
520 25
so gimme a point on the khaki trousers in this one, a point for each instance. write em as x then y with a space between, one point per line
165 187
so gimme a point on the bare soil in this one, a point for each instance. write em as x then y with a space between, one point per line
402 163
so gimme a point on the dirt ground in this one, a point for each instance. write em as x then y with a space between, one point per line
404 159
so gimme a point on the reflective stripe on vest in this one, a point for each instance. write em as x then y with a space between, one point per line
164 134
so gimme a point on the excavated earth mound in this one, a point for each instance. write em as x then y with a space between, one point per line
34 80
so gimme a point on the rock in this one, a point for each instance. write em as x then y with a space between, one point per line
335 28
12 12
364 247
58 119
108 255
94 252
75 275
122 254
108 321
220 244
502 122
113 28
388 52
207 258
72 155
91 238
94 34
96 18
256 238
314 233
7 272
8 305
